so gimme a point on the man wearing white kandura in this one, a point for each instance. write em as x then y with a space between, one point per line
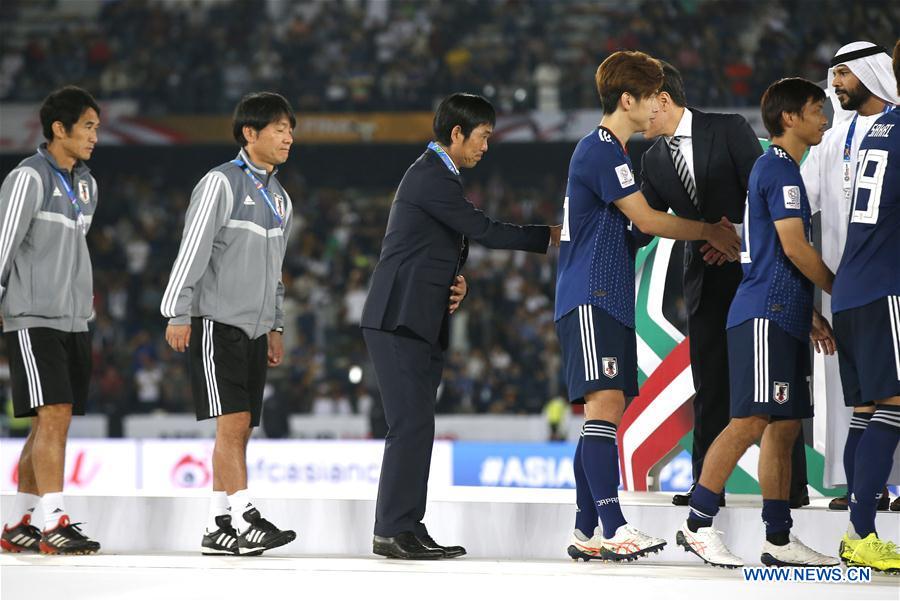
861 87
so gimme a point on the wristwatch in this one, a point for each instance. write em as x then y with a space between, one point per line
279 330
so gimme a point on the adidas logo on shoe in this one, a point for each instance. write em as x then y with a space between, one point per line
262 534
67 539
21 537
223 540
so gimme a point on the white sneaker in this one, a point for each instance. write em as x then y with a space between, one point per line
629 543
584 548
706 544
795 553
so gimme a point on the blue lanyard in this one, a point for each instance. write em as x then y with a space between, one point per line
79 214
444 157
848 173
262 190
849 141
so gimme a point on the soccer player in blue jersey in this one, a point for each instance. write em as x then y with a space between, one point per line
770 323
866 305
595 296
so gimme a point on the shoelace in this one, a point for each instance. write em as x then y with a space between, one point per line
885 547
263 524
715 541
801 547
74 531
635 532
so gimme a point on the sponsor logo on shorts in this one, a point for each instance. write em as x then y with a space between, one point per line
610 367
781 392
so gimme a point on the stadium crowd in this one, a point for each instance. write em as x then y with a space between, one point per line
356 55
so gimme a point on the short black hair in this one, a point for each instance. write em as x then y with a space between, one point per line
788 95
258 110
673 85
65 105
466 110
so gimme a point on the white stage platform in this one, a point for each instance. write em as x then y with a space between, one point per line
492 523
516 540
190 576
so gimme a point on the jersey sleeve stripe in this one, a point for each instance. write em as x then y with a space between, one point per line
189 246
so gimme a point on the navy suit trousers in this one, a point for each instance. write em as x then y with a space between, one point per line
408 370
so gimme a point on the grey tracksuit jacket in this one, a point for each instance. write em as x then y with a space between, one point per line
45 268
228 267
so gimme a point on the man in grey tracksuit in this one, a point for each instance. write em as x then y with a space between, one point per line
224 304
47 204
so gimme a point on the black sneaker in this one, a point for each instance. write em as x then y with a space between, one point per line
67 539
21 537
223 541
262 535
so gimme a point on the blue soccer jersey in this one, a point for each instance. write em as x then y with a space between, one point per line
596 251
870 265
773 288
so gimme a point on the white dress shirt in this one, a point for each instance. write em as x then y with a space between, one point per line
687 144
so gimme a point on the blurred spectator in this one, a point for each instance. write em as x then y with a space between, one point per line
503 356
557 412
340 55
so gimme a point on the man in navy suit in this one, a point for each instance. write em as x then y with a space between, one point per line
699 167
415 288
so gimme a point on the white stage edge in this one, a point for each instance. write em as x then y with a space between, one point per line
492 523
190 576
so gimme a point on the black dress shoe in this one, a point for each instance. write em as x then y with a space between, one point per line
449 552
884 502
799 502
684 499
403 546
838 504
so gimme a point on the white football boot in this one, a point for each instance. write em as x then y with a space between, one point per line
584 548
629 543
706 544
795 553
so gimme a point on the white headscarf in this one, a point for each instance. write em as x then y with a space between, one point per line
875 71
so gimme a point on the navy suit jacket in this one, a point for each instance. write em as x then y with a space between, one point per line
425 247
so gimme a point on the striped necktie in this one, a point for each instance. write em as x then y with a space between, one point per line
682 169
